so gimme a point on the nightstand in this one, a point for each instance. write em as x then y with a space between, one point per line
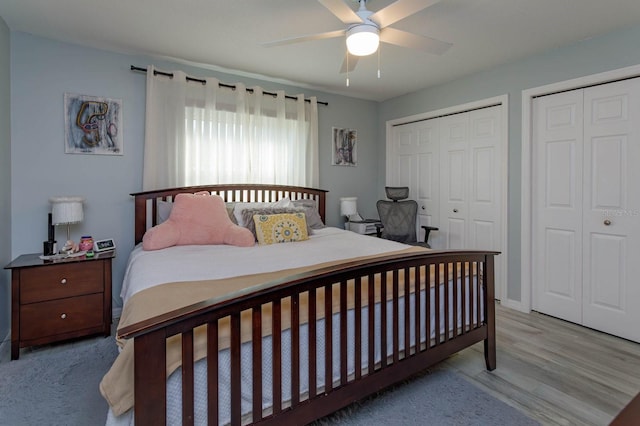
59 300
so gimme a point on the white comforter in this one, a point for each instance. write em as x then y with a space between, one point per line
190 263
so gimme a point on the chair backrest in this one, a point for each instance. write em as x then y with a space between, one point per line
398 219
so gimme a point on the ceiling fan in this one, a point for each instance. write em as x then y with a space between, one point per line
365 29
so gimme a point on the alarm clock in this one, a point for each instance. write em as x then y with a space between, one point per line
104 245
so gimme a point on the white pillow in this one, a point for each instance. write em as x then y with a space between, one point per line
239 207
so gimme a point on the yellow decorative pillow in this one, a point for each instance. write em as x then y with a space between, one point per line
280 228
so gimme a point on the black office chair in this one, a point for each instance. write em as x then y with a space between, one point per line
398 218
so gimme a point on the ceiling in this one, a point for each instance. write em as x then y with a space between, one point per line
226 35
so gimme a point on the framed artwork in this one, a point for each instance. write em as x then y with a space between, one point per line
344 151
92 125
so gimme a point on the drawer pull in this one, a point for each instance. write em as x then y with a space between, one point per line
63 281
63 316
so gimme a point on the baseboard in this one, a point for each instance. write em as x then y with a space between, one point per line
514 304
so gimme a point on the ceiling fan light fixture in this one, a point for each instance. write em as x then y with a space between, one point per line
363 39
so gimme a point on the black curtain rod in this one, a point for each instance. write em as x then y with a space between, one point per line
228 86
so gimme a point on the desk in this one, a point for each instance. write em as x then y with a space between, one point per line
365 227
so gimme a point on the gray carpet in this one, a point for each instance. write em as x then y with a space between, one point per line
59 386
440 398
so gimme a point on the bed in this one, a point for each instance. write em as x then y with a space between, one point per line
286 333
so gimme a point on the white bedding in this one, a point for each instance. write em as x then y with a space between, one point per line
188 263
191 263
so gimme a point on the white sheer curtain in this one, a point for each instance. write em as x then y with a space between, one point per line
198 134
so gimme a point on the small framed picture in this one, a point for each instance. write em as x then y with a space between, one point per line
92 125
344 151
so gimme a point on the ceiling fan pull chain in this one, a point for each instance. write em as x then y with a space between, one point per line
347 68
378 62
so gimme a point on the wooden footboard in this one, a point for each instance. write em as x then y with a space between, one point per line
449 295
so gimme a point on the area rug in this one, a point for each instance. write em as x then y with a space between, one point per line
57 385
60 387
438 398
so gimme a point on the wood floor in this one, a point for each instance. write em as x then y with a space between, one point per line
556 372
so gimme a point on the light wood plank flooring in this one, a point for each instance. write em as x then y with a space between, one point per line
556 372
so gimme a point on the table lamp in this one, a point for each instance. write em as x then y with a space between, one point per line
66 211
349 208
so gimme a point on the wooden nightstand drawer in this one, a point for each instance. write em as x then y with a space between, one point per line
59 300
58 281
61 316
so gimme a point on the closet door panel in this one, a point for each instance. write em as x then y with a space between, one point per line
454 160
484 189
557 201
612 208
405 170
427 184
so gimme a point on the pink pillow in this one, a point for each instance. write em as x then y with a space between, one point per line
197 219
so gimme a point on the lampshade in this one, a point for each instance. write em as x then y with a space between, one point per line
363 39
66 210
348 206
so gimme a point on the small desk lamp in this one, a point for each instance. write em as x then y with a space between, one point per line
66 211
349 208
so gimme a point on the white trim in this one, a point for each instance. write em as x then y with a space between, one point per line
527 99
503 101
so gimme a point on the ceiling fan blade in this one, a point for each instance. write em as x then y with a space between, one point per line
342 11
414 41
308 37
399 10
353 61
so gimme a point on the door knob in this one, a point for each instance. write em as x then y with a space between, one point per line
607 222
455 210
423 208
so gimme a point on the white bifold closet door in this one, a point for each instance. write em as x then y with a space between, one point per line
586 207
452 166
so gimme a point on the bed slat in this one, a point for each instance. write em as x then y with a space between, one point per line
187 378
212 372
343 333
358 327
313 349
328 336
256 360
236 372
295 350
372 325
276 315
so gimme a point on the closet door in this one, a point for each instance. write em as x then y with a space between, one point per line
453 166
611 205
454 174
416 159
557 197
427 179
485 198
470 201
586 207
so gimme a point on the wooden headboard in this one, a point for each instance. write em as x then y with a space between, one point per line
146 203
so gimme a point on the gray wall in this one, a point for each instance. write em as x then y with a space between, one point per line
612 51
43 70
5 182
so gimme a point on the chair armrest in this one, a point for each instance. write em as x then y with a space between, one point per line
427 230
